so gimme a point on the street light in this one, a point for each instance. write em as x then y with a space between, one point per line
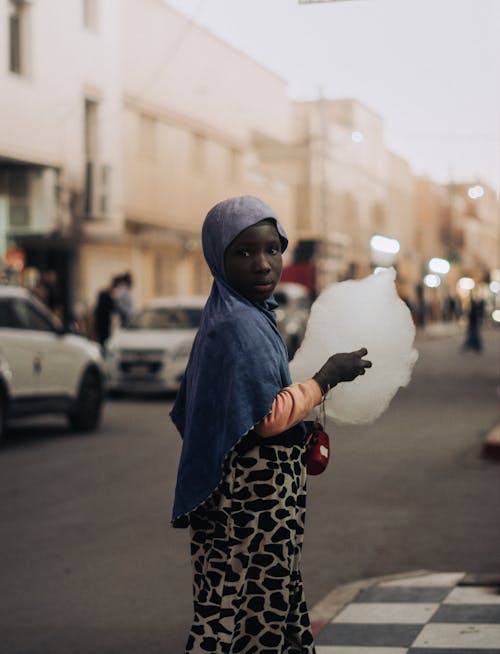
432 281
384 250
384 244
439 266
495 287
466 283
475 192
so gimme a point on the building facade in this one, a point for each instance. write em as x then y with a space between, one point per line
187 135
350 187
54 168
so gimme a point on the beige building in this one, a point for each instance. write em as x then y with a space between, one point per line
118 131
55 86
191 107
350 187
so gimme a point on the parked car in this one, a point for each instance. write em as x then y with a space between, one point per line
44 368
294 305
151 353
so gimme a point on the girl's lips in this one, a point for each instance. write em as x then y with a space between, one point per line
264 287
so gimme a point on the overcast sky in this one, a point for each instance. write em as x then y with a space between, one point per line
430 68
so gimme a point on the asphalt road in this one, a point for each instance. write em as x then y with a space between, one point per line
89 563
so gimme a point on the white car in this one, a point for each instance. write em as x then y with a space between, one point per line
43 367
292 314
151 353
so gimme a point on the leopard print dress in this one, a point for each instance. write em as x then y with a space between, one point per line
246 544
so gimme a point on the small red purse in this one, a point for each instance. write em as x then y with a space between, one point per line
317 448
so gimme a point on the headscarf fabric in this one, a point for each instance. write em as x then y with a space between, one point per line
238 363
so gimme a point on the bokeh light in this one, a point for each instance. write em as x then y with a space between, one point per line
440 266
475 192
466 283
385 244
495 287
432 280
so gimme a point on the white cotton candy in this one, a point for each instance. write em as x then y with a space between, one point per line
353 314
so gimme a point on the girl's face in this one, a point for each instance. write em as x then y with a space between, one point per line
253 261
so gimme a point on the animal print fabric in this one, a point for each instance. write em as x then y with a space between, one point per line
246 545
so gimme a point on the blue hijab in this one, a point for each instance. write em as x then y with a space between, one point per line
238 363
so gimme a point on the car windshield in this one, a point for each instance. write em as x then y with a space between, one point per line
167 318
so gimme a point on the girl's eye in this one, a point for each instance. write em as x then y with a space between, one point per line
274 250
244 253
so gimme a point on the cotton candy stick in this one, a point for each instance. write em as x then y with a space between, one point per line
353 314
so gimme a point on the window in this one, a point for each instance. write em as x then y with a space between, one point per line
104 189
90 14
90 147
19 198
18 10
90 127
30 318
167 318
7 316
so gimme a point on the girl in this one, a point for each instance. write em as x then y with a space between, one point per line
241 484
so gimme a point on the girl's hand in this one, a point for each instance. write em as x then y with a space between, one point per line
342 367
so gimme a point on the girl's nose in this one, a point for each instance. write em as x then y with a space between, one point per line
261 263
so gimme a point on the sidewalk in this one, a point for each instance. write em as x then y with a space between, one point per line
418 612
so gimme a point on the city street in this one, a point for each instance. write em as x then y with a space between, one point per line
89 562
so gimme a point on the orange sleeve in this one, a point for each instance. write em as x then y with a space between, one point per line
290 406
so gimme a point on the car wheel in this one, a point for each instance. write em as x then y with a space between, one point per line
86 412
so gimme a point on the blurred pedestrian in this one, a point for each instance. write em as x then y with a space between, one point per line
241 484
451 307
421 309
47 289
124 302
105 309
475 316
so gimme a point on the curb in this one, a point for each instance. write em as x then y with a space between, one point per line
327 608
491 444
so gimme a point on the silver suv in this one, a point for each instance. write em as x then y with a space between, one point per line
43 367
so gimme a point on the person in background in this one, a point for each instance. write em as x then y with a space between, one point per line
54 294
104 310
421 308
124 303
475 317
241 484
